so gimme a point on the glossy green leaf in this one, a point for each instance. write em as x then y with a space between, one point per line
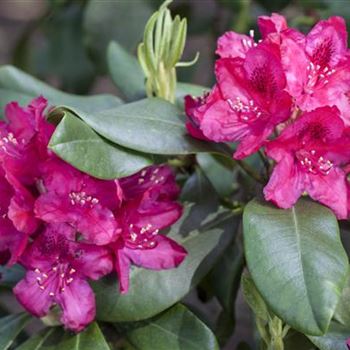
342 312
225 276
151 125
125 72
175 329
297 261
10 327
17 85
119 20
76 143
151 292
57 339
334 339
253 298
220 175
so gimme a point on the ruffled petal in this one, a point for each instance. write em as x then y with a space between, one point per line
35 300
78 305
167 254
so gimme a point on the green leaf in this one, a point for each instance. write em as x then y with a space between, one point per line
334 339
57 339
10 327
225 276
125 72
342 312
296 259
220 175
17 85
253 298
297 341
119 20
151 292
175 329
151 125
9 276
76 143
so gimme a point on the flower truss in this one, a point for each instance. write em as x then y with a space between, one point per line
288 94
66 227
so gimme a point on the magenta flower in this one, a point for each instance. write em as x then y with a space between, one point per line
271 24
252 100
12 242
348 343
57 269
309 155
23 140
148 207
195 109
317 66
78 199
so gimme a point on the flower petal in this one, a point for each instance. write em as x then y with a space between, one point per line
78 305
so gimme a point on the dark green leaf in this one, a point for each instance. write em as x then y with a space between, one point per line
342 312
175 329
10 327
253 298
126 72
297 341
220 175
144 300
297 261
76 143
119 20
151 125
226 275
57 339
17 85
198 189
334 339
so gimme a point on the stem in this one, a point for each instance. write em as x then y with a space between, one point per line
265 162
244 166
250 171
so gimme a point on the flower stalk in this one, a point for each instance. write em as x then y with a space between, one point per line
160 52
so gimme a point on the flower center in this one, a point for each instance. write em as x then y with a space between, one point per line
7 140
247 112
55 279
155 178
82 199
317 75
314 163
141 238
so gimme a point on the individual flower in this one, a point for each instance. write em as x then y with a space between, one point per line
57 273
317 66
24 136
348 343
80 200
148 206
309 155
251 100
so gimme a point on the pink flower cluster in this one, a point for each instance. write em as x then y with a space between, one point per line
288 93
66 227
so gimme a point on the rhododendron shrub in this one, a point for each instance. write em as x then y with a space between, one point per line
134 222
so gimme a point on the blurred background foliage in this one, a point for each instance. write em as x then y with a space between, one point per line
63 42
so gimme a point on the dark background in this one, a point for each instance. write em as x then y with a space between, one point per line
63 42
